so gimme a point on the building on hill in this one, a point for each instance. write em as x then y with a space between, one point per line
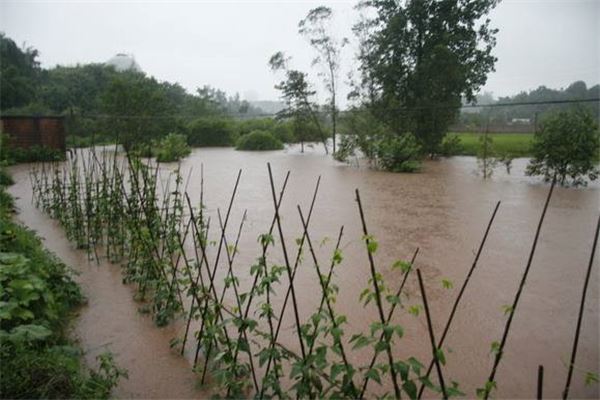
124 62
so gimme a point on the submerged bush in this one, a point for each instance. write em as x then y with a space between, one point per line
172 147
258 140
206 132
566 147
451 146
399 153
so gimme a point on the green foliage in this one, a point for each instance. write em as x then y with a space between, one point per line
486 160
398 153
282 130
172 147
139 108
298 96
19 74
451 146
258 140
5 178
31 154
37 296
207 132
316 27
567 147
423 56
374 140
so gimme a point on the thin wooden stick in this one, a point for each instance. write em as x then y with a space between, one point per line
540 382
377 294
518 295
434 349
581 309
461 292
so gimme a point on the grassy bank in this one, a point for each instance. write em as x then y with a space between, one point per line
37 299
513 144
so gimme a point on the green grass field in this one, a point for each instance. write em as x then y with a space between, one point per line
513 144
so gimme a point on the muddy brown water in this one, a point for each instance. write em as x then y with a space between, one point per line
443 210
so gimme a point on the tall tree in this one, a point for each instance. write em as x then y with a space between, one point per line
297 95
139 109
421 57
19 74
316 28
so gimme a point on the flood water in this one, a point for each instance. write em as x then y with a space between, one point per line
443 210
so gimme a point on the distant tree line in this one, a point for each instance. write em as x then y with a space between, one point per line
103 104
516 113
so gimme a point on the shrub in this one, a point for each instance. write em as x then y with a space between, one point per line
263 124
37 296
211 132
259 140
172 147
451 146
31 154
567 147
399 153
282 130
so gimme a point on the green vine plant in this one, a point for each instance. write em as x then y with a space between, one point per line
133 212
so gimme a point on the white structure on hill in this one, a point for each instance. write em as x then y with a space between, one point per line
124 62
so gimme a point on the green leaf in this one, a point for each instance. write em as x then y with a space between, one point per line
590 378
30 332
495 347
404 266
447 284
403 368
410 388
374 375
414 310
439 354
337 257
507 309
454 391
415 365
336 369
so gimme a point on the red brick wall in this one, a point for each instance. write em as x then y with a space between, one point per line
25 132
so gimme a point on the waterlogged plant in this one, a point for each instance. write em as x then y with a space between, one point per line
172 147
183 269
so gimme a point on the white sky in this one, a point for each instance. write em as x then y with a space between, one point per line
226 44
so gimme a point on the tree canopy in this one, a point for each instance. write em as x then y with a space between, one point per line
567 147
420 58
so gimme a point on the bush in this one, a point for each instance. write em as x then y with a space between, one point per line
282 130
31 154
451 146
567 147
259 140
399 153
172 147
37 297
211 132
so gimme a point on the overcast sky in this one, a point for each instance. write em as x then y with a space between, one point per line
226 44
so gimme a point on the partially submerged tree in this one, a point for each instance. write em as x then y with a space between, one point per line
297 95
419 58
316 28
567 147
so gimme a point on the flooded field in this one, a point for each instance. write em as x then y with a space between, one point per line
443 210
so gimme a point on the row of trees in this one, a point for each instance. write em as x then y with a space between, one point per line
549 101
128 106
